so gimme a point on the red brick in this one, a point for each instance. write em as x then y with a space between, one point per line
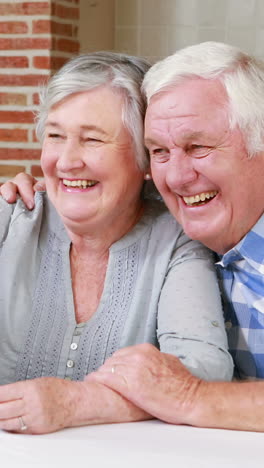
18 153
9 170
16 117
13 27
62 29
58 62
24 43
41 26
14 134
36 98
22 80
11 99
42 62
64 12
66 45
48 27
36 171
25 8
49 63
14 62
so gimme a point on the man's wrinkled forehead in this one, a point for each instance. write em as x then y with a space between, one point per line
190 86
188 98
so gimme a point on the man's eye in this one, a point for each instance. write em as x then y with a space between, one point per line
198 151
159 154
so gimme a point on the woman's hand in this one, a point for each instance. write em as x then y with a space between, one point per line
24 185
44 405
49 404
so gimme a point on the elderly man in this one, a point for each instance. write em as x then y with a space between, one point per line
205 133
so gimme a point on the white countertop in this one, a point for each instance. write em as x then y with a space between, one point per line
144 444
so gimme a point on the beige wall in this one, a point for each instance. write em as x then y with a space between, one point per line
96 25
156 28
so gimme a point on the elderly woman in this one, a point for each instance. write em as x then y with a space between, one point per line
96 266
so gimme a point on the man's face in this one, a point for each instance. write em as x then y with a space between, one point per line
200 166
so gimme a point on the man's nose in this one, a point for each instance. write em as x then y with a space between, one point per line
70 157
180 170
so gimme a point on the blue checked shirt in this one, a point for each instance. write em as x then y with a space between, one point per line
241 272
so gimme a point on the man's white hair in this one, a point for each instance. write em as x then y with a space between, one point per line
241 75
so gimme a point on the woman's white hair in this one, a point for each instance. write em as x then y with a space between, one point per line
123 73
241 75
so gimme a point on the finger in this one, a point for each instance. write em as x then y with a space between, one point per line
11 409
13 425
9 192
11 392
23 185
111 365
115 381
39 186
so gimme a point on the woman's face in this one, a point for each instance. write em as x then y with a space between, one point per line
89 163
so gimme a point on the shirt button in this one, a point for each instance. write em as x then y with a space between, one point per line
74 346
70 363
215 323
228 325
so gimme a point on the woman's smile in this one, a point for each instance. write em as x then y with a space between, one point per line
77 184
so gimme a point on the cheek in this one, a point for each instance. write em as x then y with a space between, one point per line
48 162
159 176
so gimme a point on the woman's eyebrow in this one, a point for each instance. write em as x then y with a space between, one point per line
93 128
52 123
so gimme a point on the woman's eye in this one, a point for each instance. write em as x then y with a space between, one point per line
92 140
54 135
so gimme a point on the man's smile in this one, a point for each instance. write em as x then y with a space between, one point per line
200 198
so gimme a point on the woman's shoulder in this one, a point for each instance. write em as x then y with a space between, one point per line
158 215
168 232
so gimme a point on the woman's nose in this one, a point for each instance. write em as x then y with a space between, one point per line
70 158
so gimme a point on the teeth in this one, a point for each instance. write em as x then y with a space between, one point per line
79 183
200 197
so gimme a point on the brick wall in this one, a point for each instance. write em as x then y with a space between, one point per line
36 38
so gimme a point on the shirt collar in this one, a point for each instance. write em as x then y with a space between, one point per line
250 248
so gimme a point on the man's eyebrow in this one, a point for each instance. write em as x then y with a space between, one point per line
184 136
150 141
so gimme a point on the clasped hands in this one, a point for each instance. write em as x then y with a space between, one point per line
154 381
136 383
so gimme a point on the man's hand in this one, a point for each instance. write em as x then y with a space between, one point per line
154 381
24 185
